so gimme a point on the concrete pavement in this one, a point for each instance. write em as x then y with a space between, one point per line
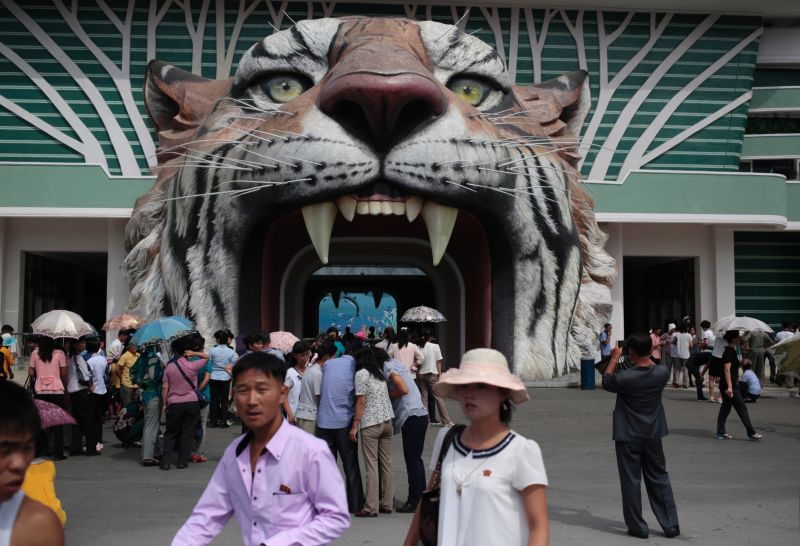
728 492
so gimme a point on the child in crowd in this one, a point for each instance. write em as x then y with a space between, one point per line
749 385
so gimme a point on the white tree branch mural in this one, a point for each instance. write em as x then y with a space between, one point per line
120 75
87 146
602 160
537 40
119 140
596 43
636 157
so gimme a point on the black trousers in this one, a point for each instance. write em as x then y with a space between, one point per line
694 365
181 421
83 411
339 443
99 405
218 410
637 459
737 402
413 442
56 432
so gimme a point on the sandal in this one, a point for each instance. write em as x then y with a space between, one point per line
725 436
756 437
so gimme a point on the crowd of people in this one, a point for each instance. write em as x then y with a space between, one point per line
302 409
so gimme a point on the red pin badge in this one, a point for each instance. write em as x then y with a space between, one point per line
285 489
487 472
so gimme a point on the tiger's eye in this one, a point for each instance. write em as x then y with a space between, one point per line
283 87
470 90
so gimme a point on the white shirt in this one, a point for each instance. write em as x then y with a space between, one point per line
73 385
98 364
11 348
489 510
294 381
709 337
432 354
783 334
309 390
682 342
115 349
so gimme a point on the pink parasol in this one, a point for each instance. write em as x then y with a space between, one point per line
123 322
283 341
51 415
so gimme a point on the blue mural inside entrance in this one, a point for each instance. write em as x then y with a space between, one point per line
358 311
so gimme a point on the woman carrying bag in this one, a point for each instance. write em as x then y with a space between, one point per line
491 481
181 401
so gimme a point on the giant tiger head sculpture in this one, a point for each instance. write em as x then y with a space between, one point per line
375 120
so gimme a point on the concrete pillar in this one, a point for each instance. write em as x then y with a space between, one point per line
705 281
614 246
724 273
116 287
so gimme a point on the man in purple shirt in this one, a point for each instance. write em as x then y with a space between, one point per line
281 483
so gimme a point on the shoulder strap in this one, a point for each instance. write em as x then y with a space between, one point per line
184 375
446 443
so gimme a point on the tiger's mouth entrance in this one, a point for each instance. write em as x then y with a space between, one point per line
381 226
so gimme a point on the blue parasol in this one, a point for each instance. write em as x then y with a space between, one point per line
162 330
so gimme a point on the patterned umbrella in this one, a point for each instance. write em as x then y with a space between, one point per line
422 314
283 341
62 323
51 415
123 322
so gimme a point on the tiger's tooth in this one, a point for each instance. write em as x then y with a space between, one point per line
398 208
413 207
440 221
319 220
362 207
386 208
374 208
347 206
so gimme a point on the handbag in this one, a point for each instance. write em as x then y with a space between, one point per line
201 396
429 504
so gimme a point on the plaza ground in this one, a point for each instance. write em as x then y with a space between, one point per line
728 492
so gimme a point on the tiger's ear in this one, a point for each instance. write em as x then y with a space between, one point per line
177 101
560 105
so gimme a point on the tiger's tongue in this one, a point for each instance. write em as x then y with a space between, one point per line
439 219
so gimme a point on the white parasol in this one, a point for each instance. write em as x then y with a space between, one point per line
422 314
62 323
748 324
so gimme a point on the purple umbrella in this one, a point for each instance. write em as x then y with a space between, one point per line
51 415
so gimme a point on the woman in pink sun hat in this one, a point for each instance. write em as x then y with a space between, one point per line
493 480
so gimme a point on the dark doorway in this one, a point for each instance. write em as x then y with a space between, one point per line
75 281
657 289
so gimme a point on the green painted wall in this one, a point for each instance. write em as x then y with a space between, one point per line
771 146
768 276
715 147
777 99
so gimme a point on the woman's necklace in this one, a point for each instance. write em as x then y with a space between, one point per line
463 481
460 483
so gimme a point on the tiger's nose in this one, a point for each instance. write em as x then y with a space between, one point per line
381 110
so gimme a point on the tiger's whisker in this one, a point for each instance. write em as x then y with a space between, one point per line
460 185
259 155
250 133
206 165
479 114
224 159
183 145
505 191
476 31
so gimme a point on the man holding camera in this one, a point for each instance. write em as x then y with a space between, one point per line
639 425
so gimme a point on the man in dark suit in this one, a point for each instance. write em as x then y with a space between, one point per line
639 425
